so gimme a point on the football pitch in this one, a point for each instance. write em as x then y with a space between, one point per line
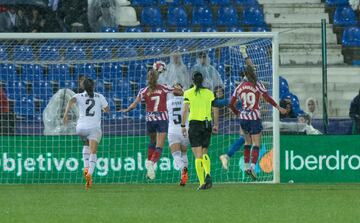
171 203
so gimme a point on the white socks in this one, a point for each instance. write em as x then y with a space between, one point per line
178 162
92 160
185 159
86 156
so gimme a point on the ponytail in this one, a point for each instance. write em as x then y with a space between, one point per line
89 87
152 80
198 80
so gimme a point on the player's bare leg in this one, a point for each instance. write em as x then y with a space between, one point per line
148 163
86 156
93 158
254 154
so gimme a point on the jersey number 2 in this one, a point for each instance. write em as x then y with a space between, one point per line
92 104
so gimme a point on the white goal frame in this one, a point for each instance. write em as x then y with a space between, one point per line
198 35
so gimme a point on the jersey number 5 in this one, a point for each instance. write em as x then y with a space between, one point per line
88 109
177 116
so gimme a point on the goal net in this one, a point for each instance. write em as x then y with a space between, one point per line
39 73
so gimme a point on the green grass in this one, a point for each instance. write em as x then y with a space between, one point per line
169 203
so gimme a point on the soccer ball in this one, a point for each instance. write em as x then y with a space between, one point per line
159 66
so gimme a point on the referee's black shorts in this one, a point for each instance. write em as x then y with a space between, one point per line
200 133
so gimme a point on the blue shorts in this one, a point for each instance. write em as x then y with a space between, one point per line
157 126
251 127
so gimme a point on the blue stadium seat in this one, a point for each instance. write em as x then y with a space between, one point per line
32 72
152 50
234 29
208 29
228 16
42 90
23 53
85 69
75 52
16 90
253 16
158 29
202 15
221 2
177 16
351 37
133 29
144 2
284 87
183 29
8 73
101 52
259 29
195 2
110 71
3 53
170 2
24 107
59 73
107 29
337 2
246 2
344 16
49 52
151 16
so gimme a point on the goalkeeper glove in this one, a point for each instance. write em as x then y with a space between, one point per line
243 51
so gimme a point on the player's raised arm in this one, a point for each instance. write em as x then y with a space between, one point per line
243 51
69 105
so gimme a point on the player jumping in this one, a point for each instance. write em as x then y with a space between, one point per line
88 125
154 96
177 142
249 92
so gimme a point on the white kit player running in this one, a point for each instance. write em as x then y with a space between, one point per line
88 125
177 142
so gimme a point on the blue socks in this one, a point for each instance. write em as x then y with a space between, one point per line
236 146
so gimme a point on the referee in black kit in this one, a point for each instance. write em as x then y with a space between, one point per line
199 101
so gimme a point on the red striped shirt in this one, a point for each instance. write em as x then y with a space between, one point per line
155 102
249 94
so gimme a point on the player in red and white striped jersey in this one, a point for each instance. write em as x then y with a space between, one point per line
249 92
154 96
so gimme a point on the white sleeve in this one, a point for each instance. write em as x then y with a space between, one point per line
103 101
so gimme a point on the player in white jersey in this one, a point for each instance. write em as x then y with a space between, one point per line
177 142
88 126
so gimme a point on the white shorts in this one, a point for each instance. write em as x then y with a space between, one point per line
174 138
89 134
